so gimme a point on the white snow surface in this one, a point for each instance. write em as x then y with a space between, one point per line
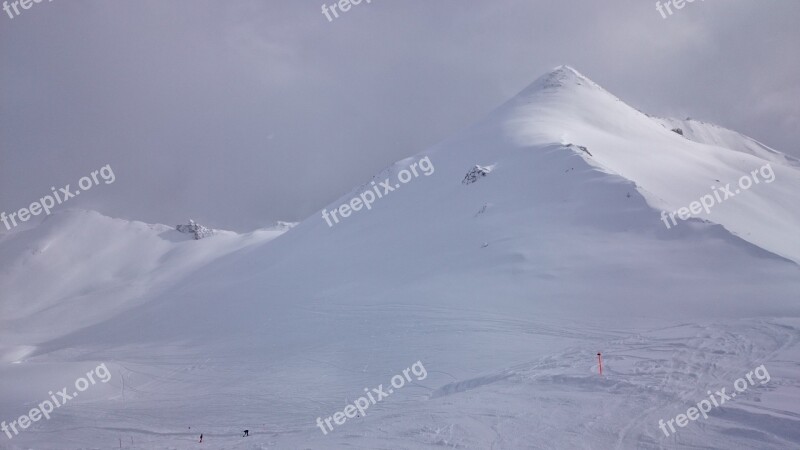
708 133
504 289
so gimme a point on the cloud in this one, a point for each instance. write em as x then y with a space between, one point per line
242 112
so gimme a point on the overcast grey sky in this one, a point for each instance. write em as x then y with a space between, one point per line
238 112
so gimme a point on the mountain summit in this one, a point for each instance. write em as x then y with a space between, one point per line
559 78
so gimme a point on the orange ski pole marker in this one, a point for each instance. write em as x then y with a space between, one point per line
600 362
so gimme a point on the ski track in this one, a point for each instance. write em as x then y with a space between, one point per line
648 376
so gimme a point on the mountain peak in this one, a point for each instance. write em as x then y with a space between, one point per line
561 78
567 70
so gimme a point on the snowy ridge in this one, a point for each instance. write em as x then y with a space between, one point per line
47 295
668 169
708 133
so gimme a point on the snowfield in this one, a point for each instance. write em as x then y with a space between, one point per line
505 288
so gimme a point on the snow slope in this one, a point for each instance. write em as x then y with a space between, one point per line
505 289
708 133
46 294
669 172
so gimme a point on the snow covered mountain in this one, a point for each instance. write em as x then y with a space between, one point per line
505 288
120 264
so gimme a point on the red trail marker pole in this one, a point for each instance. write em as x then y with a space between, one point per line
600 362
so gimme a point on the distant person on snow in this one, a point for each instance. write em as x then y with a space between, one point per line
201 438
246 433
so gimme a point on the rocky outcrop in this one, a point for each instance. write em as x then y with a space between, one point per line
476 173
195 229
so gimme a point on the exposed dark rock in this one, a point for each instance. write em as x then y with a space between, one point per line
195 229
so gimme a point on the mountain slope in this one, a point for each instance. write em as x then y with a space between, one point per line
708 133
79 268
669 172
504 288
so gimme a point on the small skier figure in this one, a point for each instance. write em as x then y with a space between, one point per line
246 433
201 438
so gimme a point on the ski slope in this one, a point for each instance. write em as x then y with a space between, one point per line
505 289
79 268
